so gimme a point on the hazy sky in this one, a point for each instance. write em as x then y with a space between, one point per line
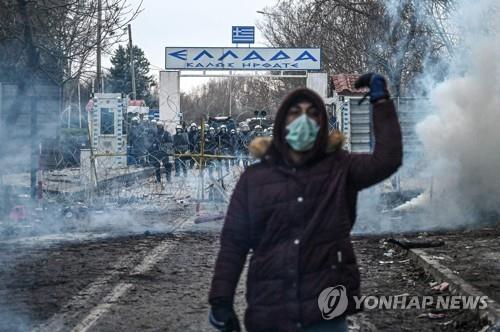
191 23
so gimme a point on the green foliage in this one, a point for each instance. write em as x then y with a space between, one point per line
120 78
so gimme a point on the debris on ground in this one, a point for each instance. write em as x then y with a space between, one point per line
431 315
441 287
416 243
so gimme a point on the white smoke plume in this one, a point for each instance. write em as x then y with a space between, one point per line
462 136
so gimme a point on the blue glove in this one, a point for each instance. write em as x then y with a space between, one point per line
377 85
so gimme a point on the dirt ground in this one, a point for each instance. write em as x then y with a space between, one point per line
474 255
64 284
395 275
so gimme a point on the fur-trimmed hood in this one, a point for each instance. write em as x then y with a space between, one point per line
260 145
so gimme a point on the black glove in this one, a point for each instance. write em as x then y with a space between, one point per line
223 317
377 85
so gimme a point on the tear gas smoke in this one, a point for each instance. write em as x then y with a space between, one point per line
456 177
461 137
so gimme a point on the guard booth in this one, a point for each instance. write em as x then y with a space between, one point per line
107 131
355 121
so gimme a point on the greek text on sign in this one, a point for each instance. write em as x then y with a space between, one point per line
222 58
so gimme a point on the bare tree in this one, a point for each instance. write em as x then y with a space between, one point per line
248 94
62 33
393 37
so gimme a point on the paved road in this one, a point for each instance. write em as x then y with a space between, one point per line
160 283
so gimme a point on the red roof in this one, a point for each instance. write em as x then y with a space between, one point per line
90 105
136 102
343 84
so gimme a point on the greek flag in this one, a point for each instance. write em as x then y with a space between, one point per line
243 35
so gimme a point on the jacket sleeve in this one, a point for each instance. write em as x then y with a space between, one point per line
367 169
234 245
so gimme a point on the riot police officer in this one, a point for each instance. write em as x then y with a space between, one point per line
258 131
181 146
134 137
210 147
224 145
245 139
194 141
162 148
235 147
143 141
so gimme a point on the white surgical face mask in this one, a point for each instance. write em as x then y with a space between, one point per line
302 133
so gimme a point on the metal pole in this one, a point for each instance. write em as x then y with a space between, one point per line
230 90
398 178
98 55
132 69
79 105
34 146
94 181
69 114
202 159
70 97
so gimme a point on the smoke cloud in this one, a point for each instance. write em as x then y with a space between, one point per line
461 137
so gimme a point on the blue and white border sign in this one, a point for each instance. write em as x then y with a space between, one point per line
243 35
222 58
